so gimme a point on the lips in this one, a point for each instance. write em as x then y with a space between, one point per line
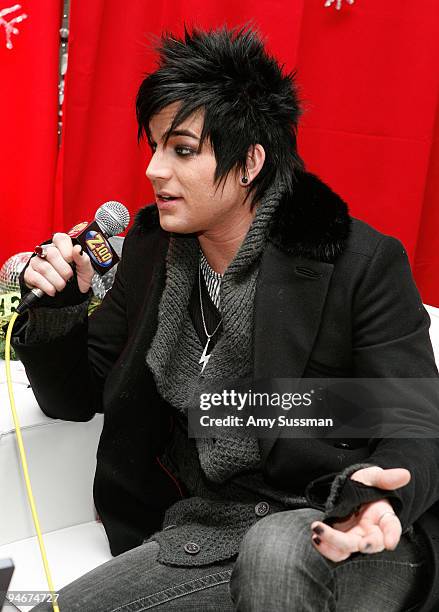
164 195
165 201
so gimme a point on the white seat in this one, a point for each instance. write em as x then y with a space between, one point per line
434 330
71 553
61 458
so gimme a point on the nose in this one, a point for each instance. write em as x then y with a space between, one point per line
158 168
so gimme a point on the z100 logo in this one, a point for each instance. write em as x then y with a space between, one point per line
98 248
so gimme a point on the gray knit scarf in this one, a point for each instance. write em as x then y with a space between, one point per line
175 350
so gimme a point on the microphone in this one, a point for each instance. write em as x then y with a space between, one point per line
111 218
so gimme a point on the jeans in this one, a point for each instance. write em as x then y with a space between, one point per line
277 569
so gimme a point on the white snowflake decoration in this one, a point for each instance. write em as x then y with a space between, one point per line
9 26
337 3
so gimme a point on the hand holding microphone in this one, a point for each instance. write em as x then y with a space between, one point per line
85 249
51 270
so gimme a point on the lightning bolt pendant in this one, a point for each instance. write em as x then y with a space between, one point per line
204 358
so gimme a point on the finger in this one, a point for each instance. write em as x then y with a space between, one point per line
330 552
343 542
372 541
391 528
58 262
82 261
387 479
84 269
380 515
45 269
393 478
35 280
64 244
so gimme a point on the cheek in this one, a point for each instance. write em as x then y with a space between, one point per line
204 199
201 193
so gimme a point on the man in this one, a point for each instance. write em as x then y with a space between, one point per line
248 266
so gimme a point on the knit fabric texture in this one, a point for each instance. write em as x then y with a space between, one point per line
213 516
176 349
222 476
46 324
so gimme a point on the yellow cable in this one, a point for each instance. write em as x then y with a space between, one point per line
24 462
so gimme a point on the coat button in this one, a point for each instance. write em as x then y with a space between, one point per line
343 445
262 509
191 548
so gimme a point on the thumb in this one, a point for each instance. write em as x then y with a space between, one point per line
84 269
387 479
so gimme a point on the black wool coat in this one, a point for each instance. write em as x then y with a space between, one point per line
334 297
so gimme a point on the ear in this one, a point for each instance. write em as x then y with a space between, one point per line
255 160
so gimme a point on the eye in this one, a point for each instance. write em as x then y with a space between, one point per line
184 151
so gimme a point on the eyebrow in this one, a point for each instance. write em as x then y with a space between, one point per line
181 133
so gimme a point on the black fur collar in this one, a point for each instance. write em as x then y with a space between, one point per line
313 223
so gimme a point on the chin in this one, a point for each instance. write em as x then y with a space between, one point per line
171 223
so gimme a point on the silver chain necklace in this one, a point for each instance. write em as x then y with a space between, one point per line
204 357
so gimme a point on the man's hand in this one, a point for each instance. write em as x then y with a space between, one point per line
373 528
52 273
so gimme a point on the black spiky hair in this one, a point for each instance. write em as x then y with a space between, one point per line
243 92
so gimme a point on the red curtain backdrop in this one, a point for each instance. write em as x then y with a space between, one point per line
369 79
28 120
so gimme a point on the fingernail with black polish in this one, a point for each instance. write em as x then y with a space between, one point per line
81 251
318 530
317 541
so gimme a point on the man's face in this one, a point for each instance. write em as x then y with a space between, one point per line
178 170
